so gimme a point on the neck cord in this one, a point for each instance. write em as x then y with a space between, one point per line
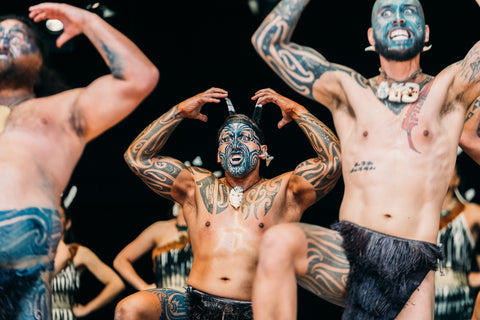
241 187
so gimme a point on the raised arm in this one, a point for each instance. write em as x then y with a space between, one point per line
168 177
314 178
470 138
110 98
303 69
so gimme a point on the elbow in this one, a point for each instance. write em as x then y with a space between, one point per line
148 80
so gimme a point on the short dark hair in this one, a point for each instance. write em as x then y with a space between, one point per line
241 118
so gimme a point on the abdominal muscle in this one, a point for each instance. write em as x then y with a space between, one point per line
398 206
225 261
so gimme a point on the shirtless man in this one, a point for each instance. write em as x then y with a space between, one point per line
399 133
226 217
43 139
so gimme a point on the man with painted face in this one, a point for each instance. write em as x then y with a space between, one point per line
42 139
399 133
227 217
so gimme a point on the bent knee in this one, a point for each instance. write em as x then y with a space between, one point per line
280 245
138 306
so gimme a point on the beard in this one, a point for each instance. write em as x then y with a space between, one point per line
19 75
399 55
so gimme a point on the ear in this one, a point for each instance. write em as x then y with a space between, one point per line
427 33
370 37
263 155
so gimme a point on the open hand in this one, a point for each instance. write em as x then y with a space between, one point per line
192 107
73 18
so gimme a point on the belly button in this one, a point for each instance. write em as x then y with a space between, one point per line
425 133
261 225
207 223
365 133
387 215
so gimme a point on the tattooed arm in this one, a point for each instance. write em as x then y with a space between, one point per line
303 69
466 84
470 139
314 178
166 176
112 97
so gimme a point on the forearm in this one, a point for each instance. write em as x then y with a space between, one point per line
152 139
324 170
297 65
127 271
109 292
125 60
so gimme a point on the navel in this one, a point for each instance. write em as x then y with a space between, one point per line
426 133
207 224
387 215
365 133
261 225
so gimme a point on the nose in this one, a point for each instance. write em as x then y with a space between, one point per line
4 43
399 19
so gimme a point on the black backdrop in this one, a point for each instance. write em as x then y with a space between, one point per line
204 43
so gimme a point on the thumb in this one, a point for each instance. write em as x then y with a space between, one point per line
62 39
282 123
202 117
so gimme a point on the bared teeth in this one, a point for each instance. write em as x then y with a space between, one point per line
399 33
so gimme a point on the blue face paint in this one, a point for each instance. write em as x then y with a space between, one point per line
398 28
239 149
15 40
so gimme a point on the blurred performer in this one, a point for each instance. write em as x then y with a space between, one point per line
171 254
43 138
455 291
71 260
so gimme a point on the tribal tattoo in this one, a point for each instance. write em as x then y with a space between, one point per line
115 65
322 172
158 172
174 305
328 266
297 65
411 118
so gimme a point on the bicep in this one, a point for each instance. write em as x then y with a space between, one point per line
104 103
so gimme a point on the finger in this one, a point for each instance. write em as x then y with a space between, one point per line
62 39
202 117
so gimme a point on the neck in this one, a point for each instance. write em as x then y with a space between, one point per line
244 182
400 71
11 98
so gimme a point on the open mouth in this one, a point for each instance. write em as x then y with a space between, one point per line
399 34
236 158
4 54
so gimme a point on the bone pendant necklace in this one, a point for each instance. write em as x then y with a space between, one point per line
399 91
236 193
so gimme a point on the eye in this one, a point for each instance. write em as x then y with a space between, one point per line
244 138
15 40
409 11
387 13
227 139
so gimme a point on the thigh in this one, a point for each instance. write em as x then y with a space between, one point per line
325 265
173 303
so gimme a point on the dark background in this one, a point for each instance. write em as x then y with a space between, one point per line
204 43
